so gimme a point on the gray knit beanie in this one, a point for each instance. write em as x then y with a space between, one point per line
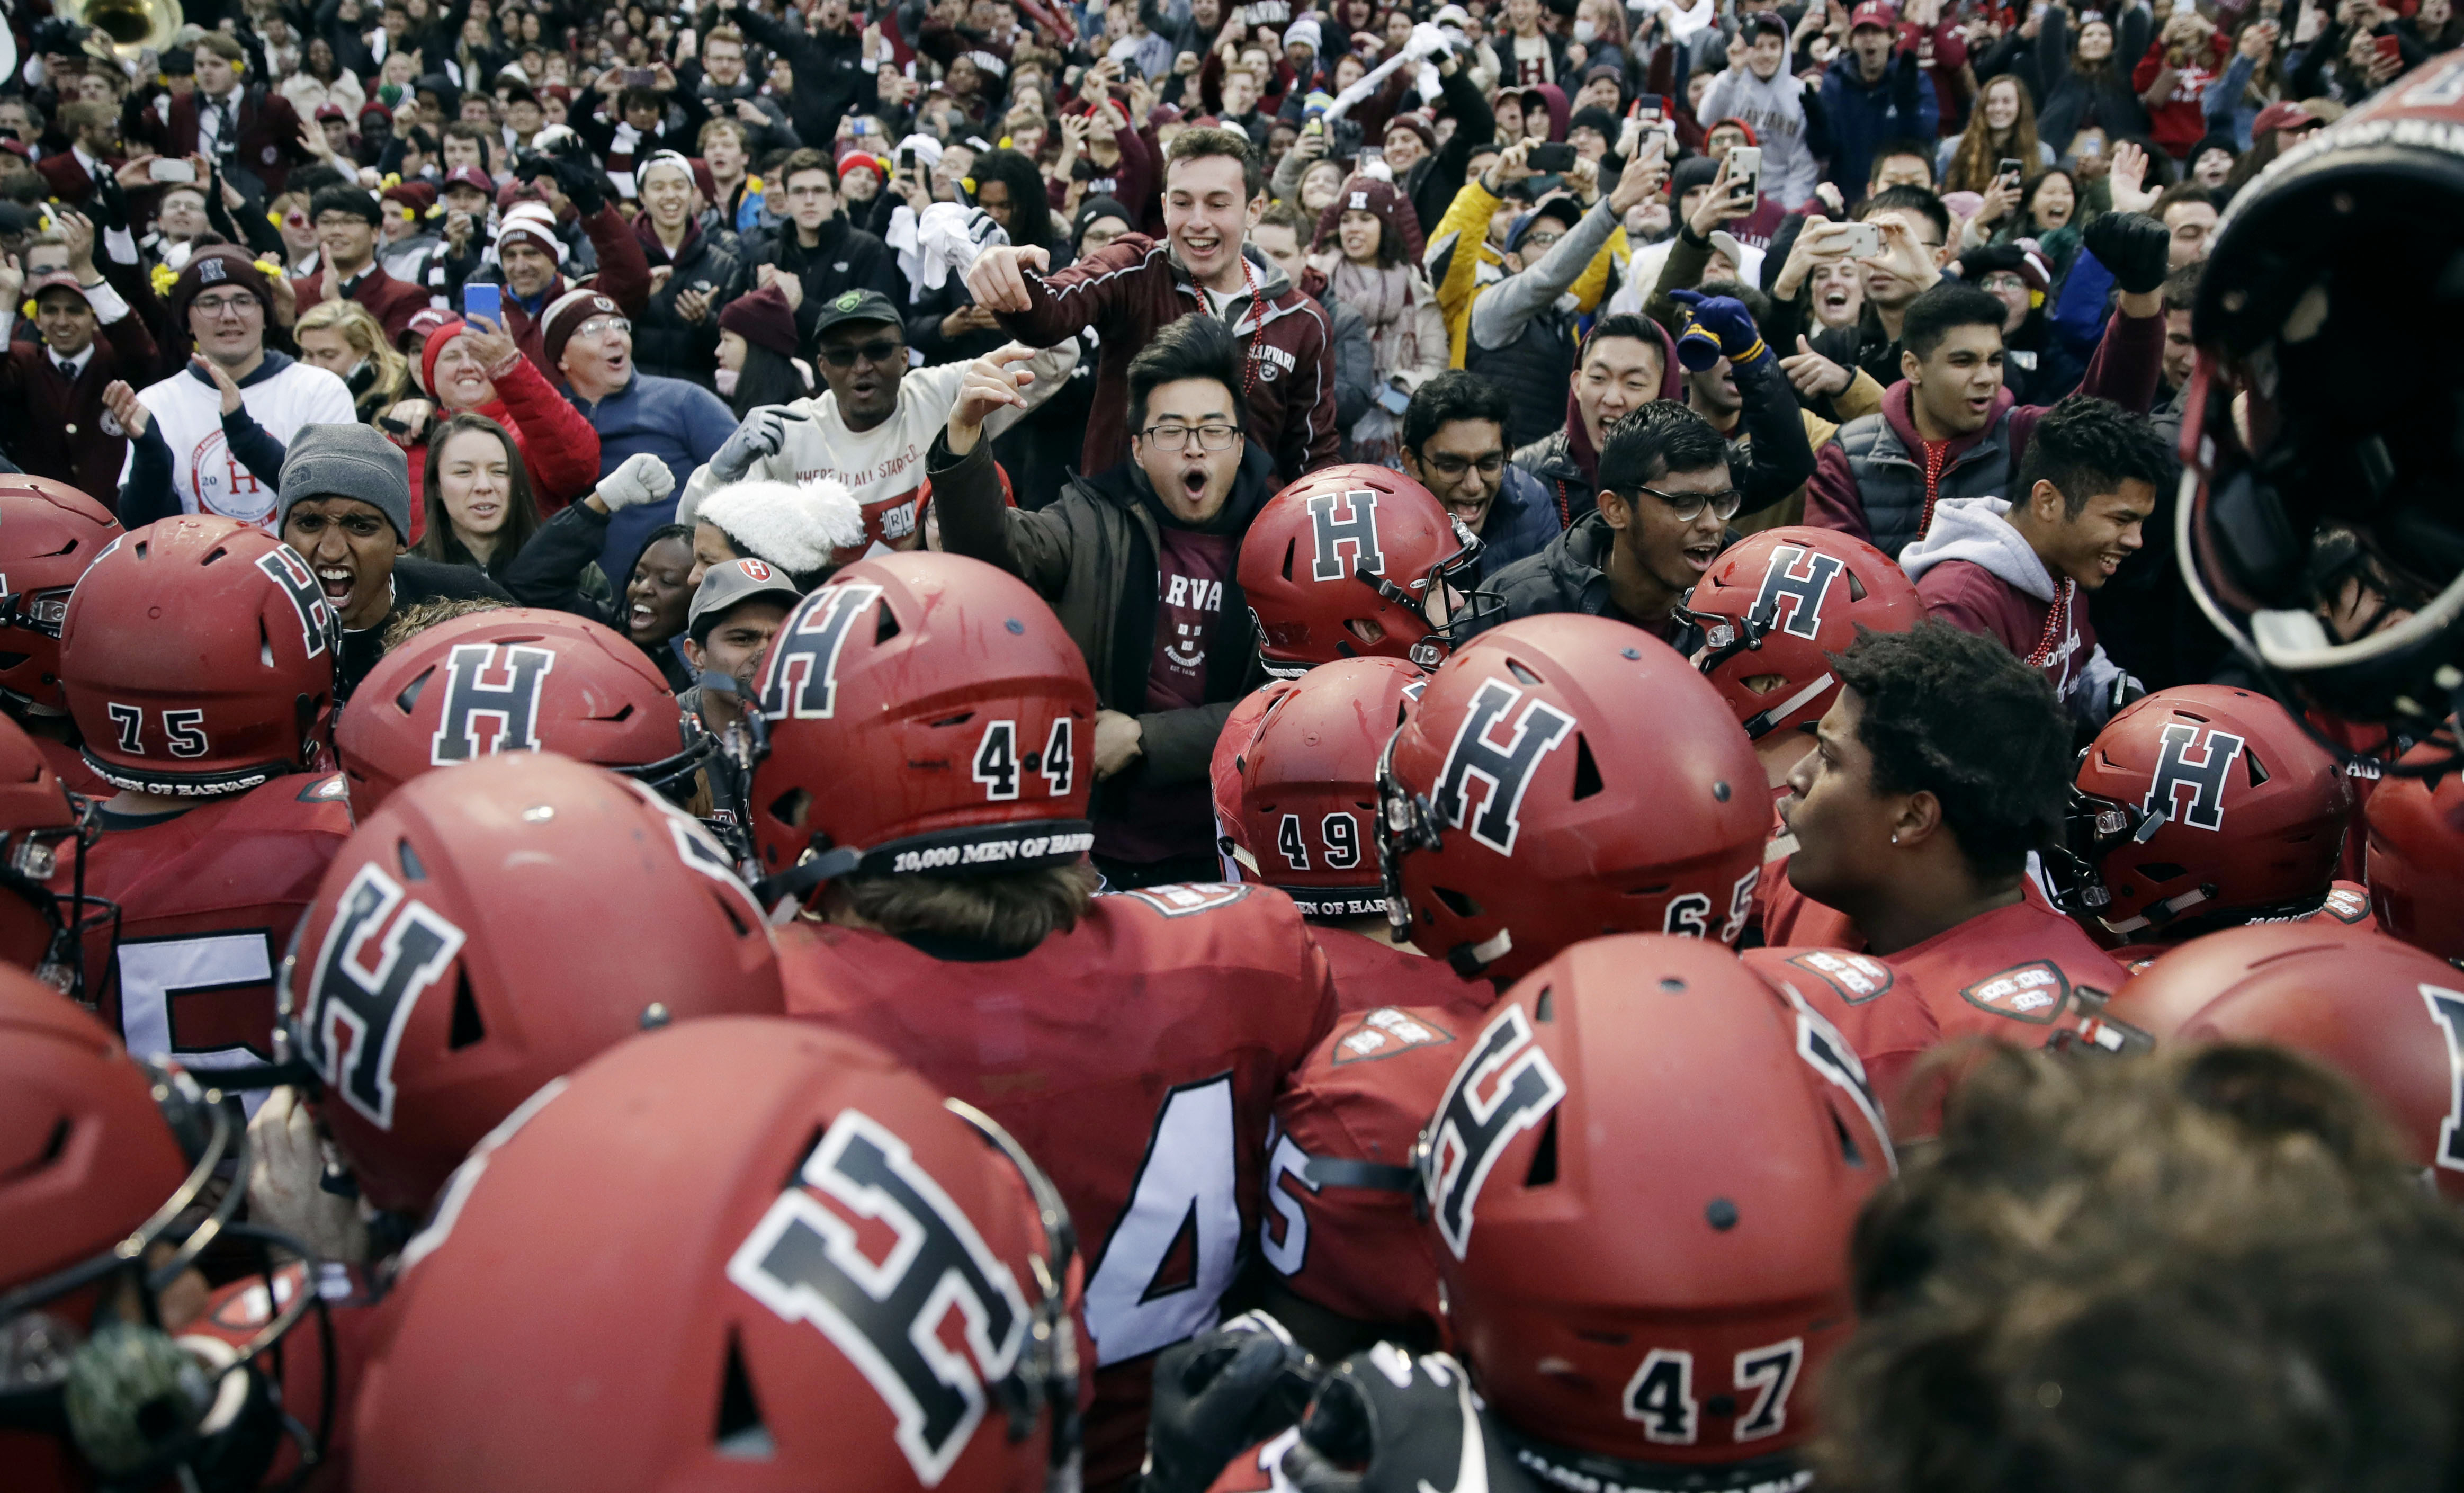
346 461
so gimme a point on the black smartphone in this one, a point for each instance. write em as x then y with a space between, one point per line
2008 167
1554 157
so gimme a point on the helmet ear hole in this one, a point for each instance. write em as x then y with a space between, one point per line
888 628
740 1432
1587 772
1544 1159
467 1029
789 807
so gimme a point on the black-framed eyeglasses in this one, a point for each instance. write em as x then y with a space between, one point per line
1175 437
881 349
1688 506
1452 467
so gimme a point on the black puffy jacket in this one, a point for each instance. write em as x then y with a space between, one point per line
666 343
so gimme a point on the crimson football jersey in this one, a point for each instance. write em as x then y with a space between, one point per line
208 897
1998 975
1340 1228
1138 1058
1370 972
2347 906
1880 1011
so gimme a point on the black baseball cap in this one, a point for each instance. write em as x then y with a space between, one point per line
857 306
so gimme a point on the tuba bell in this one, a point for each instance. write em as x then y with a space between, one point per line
133 26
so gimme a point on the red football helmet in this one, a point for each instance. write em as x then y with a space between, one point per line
459 954
2416 861
198 655
2308 467
103 1165
2201 802
829 1280
1625 1281
1354 561
925 713
1775 605
39 823
1305 784
48 533
1567 776
518 679
2386 1014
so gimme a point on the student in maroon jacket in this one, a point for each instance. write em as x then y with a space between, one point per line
347 220
253 133
1134 286
56 386
2021 570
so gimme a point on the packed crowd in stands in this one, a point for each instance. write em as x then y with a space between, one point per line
1160 746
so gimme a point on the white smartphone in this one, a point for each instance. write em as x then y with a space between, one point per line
167 170
1864 240
1745 166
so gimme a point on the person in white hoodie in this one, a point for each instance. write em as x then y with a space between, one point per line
1785 114
2021 571
870 429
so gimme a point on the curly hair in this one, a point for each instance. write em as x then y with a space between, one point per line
1958 715
2207 1269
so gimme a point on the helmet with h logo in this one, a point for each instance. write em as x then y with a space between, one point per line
1354 562
2204 803
1775 605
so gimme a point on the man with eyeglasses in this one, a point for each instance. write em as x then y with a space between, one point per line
211 438
1667 492
819 245
590 340
871 425
346 220
1454 445
1140 562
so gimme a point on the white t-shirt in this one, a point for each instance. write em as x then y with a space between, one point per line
883 468
187 408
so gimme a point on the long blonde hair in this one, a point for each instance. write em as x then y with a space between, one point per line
1971 165
368 340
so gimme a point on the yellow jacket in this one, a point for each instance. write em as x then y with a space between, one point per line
1460 277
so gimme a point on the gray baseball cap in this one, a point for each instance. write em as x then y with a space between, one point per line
724 586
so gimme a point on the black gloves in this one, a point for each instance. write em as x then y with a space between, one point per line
1217 1394
579 181
1408 1423
2134 245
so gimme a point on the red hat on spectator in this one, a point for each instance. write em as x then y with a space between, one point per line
446 329
427 321
1751 139
217 264
2283 114
332 111
565 318
1418 124
1369 194
535 221
473 176
860 160
763 317
417 196
370 107
557 92
1874 12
